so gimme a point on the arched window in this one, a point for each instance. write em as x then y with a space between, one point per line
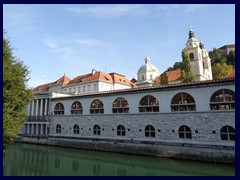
96 107
149 131
183 102
59 109
120 105
76 108
58 128
228 133
96 130
223 99
121 130
75 129
149 104
185 132
191 56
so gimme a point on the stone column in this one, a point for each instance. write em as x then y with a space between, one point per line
32 108
41 106
36 113
46 104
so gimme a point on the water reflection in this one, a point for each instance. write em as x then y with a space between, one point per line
32 160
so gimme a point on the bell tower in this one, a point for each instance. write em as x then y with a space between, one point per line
199 59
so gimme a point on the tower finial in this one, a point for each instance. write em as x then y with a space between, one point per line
190 27
201 43
147 59
191 33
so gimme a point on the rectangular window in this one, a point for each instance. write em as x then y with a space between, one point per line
84 89
78 89
94 87
89 88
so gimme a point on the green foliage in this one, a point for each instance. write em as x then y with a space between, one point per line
15 94
221 70
177 65
231 58
217 56
186 71
164 78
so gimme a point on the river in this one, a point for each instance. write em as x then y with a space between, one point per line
38 160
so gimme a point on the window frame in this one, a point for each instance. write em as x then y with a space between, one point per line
99 109
148 106
58 129
120 105
149 131
186 133
74 110
227 135
58 110
76 129
218 103
96 130
183 104
121 130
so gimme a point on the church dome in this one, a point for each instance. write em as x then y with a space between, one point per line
147 67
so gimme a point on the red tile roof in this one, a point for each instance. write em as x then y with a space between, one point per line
121 79
92 77
232 75
173 75
42 87
63 79
133 80
112 77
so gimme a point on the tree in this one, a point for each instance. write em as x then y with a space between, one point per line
231 58
221 70
164 78
177 65
186 71
217 56
15 94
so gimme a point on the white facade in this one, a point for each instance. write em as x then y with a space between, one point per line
200 61
201 95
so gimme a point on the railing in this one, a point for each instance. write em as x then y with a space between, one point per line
38 118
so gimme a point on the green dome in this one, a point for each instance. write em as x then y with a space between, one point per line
147 67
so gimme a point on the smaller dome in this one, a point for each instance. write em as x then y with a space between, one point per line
147 67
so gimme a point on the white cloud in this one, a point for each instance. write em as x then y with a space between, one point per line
169 9
88 42
110 10
50 43
193 7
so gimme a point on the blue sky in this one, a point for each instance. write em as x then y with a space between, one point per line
73 39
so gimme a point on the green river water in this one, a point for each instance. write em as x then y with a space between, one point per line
38 160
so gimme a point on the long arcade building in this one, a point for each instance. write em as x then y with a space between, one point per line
187 120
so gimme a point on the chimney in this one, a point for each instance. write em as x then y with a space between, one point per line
93 71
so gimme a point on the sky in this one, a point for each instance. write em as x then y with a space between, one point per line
72 39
